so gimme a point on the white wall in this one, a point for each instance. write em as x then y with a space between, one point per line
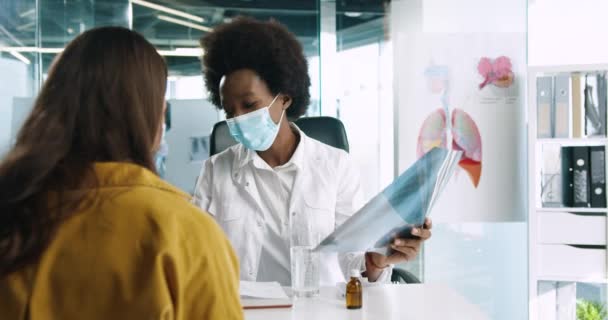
567 32
473 16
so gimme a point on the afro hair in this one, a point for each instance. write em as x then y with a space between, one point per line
267 48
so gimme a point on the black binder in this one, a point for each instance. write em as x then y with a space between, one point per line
598 176
580 177
567 183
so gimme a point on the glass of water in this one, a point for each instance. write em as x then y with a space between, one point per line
305 277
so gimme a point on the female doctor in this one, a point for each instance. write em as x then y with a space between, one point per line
276 176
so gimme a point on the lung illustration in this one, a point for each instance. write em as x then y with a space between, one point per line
463 133
448 127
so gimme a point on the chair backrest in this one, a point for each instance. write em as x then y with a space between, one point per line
325 129
403 276
220 139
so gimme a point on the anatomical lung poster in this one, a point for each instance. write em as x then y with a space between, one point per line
466 92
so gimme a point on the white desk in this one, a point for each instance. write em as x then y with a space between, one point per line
412 301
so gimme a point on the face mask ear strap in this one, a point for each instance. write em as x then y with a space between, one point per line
281 119
274 100
282 111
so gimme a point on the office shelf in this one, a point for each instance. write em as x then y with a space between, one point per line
594 141
574 279
573 210
541 302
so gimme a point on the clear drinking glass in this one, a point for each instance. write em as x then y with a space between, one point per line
305 276
305 263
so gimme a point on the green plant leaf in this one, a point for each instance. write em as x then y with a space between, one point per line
590 310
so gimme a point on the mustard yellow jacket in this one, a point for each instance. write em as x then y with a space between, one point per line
139 251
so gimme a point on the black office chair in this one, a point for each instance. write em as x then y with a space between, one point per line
325 129
403 276
220 139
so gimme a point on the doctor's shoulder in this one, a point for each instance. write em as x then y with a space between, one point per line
213 175
223 161
329 157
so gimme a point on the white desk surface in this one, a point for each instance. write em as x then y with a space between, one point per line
411 301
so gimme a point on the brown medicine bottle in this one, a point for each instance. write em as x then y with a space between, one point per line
354 291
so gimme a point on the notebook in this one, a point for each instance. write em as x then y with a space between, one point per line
262 295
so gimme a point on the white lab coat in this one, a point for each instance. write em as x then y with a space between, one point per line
326 193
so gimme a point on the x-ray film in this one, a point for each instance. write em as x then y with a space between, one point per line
402 205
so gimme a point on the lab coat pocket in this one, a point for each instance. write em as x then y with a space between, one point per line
224 210
231 211
231 218
320 201
319 211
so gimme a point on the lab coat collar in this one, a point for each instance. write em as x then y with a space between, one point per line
245 156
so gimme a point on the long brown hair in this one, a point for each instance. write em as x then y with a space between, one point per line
102 101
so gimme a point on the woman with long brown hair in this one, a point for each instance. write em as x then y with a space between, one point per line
87 229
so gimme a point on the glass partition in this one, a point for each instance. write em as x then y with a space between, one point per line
33 32
460 80
20 66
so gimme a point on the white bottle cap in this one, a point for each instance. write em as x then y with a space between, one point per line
355 273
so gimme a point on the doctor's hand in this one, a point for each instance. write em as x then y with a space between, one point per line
404 249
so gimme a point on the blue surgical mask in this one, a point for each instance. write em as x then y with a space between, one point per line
255 130
161 154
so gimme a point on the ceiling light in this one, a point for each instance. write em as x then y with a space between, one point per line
50 50
178 52
27 13
26 26
20 57
184 23
31 49
10 35
194 50
351 14
182 52
168 10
